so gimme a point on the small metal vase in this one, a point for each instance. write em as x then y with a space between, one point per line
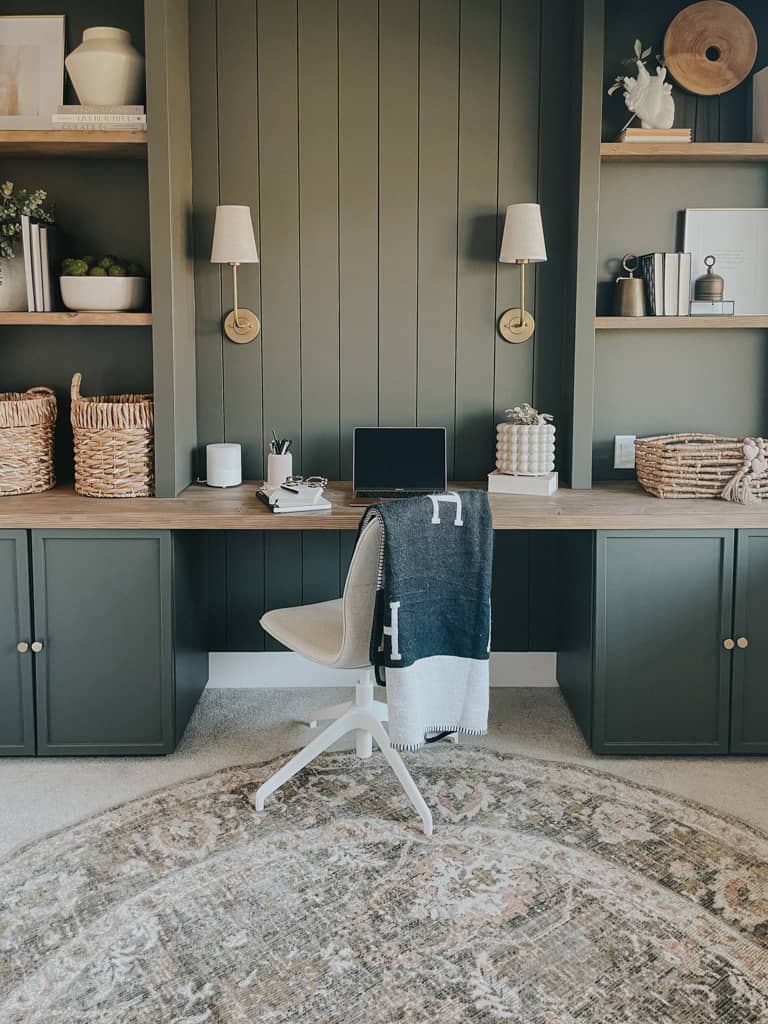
629 293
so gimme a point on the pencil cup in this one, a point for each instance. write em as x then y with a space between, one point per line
279 468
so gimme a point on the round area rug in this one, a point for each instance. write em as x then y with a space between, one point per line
549 894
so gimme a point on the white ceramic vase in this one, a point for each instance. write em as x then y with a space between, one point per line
106 69
525 450
13 285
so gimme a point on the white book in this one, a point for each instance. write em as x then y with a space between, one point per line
45 260
37 268
26 246
684 296
98 118
671 283
506 483
84 108
760 106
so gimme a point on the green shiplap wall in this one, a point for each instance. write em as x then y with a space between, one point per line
668 381
377 143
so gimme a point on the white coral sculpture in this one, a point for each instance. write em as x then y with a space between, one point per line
647 96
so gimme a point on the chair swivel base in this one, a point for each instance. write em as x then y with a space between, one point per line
365 716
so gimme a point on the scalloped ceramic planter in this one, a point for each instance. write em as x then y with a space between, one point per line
525 451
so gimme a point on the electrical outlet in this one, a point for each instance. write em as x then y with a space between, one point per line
624 451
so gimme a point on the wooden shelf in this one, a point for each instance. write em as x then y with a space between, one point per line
77 144
76 319
667 152
679 323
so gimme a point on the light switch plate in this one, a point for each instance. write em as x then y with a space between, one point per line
624 451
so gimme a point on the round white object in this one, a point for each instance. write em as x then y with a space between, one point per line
106 69
224 465
107 294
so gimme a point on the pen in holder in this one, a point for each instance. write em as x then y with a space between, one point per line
279 468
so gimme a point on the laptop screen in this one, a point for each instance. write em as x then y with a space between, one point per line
399 458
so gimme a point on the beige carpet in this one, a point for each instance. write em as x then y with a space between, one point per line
550 894
233 727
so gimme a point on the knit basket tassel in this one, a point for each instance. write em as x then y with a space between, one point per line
755 467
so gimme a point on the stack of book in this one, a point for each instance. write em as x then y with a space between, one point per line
102 119
36 244
655 135
667 282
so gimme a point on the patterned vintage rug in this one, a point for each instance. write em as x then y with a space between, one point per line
550 894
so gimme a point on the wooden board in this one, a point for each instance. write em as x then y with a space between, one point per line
74 144
610 506
69 319
678 323
717 152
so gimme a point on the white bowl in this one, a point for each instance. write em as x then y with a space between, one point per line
108 294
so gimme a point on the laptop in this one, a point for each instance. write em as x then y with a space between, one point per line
398 462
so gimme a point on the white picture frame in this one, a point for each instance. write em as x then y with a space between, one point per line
738 239
31 70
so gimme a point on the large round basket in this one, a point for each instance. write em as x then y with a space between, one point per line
27 421
701 466
114 444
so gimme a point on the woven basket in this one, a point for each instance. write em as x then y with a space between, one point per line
699 466
114 444
27 420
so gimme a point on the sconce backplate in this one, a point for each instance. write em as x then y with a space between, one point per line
512 330
246 329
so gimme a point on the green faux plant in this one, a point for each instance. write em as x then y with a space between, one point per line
106 266
13 204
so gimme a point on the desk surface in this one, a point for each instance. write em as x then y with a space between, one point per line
619 506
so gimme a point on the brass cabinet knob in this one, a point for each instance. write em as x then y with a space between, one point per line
22 647
742 643
37 646
729 644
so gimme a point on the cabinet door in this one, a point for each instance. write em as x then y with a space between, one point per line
17 709
749 708
104 677
663 608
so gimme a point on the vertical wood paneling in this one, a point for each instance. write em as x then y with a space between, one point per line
398 209
319 271
478 161
438 174
245 590
518 166
279 207
358 221
239 136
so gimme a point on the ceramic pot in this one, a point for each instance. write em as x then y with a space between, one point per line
13 285
105 68
525 450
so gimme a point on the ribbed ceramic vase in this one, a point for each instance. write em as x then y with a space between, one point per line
13 285
106 69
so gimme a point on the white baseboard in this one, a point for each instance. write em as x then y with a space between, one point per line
265 670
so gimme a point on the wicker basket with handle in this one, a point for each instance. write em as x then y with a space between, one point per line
27 421
114 444
703 466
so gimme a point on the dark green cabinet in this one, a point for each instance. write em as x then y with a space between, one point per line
645 659
17 706
120 656
749 698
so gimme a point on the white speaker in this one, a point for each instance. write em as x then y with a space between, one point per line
224 465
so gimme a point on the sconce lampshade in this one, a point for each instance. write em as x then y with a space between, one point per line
523 237
233 240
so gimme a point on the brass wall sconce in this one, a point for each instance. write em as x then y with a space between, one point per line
522 243
234 243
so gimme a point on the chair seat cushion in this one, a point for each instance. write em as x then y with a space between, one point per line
312 630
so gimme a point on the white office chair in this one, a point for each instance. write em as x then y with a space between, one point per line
338 633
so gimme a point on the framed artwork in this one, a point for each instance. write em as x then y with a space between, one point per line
738 239
31 70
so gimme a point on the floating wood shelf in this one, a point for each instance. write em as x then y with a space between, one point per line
78 144
667 152
76 319
678 323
